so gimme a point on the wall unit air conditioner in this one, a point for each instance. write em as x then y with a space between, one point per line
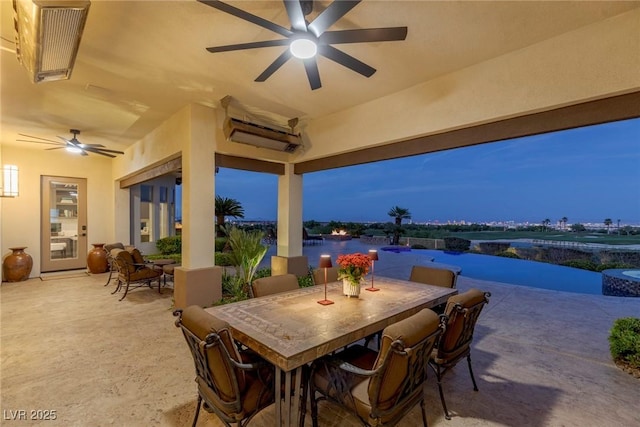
260 136
48 34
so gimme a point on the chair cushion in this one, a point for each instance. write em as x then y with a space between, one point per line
411 331
274 284
433 276
456 323
125 261
137 256
110 246
144 273
318 275
201 324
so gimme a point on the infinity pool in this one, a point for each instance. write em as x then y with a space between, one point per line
520 272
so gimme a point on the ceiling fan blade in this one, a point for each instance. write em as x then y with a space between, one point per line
330 15
98 151
239 13
37 137
54 148
364 35
311 66
275 65
41 142
296 17
93 145
346 60
253 45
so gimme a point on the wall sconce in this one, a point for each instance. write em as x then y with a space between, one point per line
9 184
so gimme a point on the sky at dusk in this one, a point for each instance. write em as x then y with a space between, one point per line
586 174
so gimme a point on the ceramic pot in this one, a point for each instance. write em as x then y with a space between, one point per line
97 259
17 266
349 289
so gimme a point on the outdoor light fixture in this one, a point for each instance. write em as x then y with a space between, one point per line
373 256
325 262
303 48
9 184
48 36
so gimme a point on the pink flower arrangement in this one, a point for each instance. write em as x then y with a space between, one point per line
353 267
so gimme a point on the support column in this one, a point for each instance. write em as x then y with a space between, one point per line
289 258
197 280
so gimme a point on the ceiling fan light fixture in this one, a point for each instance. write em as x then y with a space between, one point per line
303 48
73 149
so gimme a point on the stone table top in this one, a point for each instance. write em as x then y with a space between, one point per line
290 329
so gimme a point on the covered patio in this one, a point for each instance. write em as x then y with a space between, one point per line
540 357
465 75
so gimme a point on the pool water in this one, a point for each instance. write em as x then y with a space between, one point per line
520 272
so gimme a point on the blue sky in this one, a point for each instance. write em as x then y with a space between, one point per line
586 174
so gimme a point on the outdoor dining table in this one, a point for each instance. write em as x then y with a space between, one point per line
290 329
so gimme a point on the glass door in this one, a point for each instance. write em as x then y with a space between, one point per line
64 223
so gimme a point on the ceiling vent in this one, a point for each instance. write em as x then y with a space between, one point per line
48 34
260 136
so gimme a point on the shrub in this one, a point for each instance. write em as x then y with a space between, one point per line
624 341
223 259
493 248
581 263
262 272
221 244
612 265
169 245
305 281
508 254
456 244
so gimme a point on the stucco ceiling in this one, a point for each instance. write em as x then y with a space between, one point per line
141 61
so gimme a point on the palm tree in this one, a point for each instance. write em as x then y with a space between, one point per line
227 207
563 221
608 223
545 223
399 214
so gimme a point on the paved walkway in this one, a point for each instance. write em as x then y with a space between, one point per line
541 358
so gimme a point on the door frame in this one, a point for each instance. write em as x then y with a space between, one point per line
77 258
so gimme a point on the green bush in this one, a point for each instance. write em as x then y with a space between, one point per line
581 263
262 272
624 341
224 259
221 244
169 245
456 244
305 281
612 265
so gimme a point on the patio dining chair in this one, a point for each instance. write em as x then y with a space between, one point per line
433 276
462 312
380 388
318 275
273 285
234 386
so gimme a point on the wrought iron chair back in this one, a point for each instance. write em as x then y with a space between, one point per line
462 311
383 390
220 369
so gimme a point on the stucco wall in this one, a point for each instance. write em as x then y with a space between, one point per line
595 61
21 215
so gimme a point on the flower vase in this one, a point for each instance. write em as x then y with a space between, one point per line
17 266
349 289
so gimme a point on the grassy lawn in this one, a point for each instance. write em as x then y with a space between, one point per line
585 237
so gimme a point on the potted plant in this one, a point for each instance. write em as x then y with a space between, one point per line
352 269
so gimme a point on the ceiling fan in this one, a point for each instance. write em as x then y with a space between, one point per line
73 145
306 39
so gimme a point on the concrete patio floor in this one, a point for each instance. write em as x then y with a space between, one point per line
541 358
